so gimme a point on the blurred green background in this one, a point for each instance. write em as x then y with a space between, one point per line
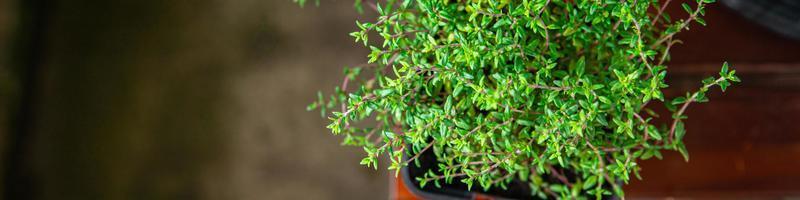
177 99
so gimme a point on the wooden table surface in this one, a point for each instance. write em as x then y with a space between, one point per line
745 143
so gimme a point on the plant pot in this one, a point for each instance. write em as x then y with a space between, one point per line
456 190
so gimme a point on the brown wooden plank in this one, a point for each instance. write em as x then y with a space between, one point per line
743 144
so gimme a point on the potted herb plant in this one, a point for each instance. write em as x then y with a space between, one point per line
518 98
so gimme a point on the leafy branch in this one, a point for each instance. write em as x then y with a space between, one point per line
503 90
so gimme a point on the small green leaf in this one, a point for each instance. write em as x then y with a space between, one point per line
724 84
724 71
680 131
687 8
684 153
579 68
678 100
708 81
700 21
384 92
654 134
590 182
525 122
457 90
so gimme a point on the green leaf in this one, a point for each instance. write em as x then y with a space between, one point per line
590 182
579 68
366 161
541 138
525 122
448 104
557 188
457 90
680 131
678 100
379 8
654 134
389 135
686 8
357 6
708 81
384 92
301 2
734 78
700 21
646 155
724 71
684 153
724 85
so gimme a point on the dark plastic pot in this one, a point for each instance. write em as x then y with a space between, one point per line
778 16
456 190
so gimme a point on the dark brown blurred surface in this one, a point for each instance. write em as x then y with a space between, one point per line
745 143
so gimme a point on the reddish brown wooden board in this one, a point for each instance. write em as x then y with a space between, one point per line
745 143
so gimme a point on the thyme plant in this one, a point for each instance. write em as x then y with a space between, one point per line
517 89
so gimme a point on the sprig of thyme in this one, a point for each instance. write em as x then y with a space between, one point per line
517 89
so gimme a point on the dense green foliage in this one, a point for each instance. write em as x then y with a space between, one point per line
525 89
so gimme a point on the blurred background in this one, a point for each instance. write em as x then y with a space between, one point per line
205 99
